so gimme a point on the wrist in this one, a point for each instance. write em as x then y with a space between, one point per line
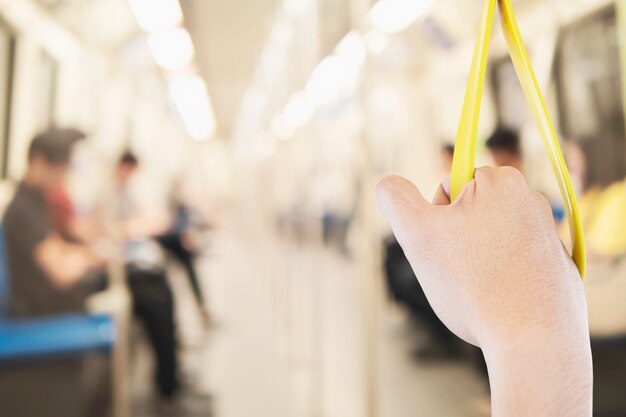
541 375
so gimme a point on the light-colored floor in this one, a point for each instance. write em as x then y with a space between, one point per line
289 339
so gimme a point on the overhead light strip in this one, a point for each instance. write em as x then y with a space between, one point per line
173 51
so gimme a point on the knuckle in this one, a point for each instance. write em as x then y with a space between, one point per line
542 203
512 179
512 175
506 179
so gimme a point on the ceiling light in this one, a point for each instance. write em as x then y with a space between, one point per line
337 73
281 34
298 110
55 38
264 145
190 96
280 129
352 49
157 15
325 82
173 49
376 41
295 8
297 113
393 16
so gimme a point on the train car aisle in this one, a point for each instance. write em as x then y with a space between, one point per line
289 342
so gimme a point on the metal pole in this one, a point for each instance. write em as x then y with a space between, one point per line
317 276
121 314
621 35
370 296
120 356
369 260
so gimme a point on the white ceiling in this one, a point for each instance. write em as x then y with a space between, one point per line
91 20
228 36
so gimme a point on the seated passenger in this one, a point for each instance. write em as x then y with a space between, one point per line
46 270
52 272
506 151
447 155
505 148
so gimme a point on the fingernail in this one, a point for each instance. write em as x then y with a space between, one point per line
446 185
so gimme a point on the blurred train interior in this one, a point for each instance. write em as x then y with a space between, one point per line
187 190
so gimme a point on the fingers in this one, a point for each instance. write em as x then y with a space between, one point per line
504 178
442 195
402 204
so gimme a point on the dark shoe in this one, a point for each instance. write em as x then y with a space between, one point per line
185 404
437 352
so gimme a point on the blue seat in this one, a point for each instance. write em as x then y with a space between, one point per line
55 336
50 336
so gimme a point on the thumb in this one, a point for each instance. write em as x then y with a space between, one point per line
402 204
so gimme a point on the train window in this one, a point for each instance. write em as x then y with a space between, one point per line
7 54
590 94
512 108
47 89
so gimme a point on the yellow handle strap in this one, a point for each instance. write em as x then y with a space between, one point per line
465 146
464 155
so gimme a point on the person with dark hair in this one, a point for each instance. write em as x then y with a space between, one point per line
505 148
63 216
126 166
147 276
175 243
53 272
172 239
128 158
447 154
55 145
45 269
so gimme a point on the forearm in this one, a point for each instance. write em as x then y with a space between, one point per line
65 263
542 377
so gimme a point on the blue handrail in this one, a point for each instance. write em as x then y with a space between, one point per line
59 335
50 336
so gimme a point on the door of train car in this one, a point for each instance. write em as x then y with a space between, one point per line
7 55
588 76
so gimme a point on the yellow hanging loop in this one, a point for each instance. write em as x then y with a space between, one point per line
464 155
465 146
